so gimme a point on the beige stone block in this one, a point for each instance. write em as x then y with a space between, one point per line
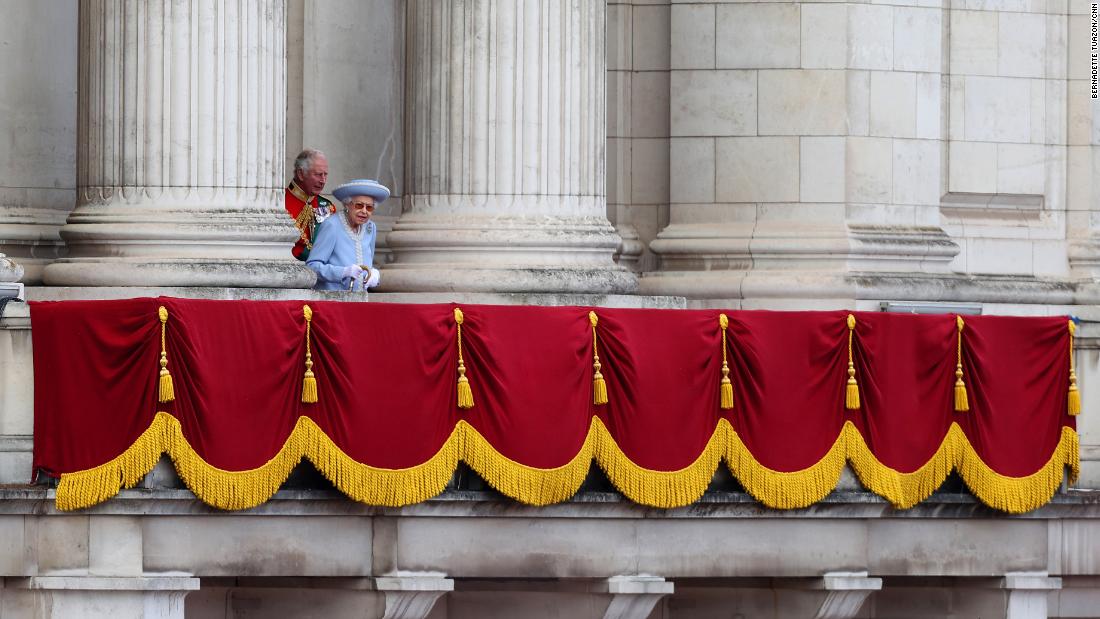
114 546
972 167
1021 168
879 214
236 545
893 104
62 544
691 170
777 217
1021 44
956 103
757 169
649 104
869 163
973 43
870 37
693 31
1049 258
713 103
12 544
917 168
918 39
651 44
618 170
1055 113
1038 115
1016 6
998 109
16 385
803 102
1079 112
15 466
757 36
930 105
619 29
1056 165
1056 50
821 176
824 43
992 256
1079 178
619 103
859 102
1078 45
649 171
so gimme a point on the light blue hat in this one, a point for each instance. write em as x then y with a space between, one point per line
362 187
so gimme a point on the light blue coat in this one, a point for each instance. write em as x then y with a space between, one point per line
335 247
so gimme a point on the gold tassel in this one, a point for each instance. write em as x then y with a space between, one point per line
962 403
599 385
851 394
309 381
1073 403
166 392
727 385
465 394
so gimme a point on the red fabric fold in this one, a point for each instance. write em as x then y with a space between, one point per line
386 378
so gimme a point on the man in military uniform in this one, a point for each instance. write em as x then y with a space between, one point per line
304 201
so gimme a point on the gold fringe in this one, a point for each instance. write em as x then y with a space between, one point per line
309 381
95 485
903 490
726 400
379 486
851 392
599 385
523 483
165 391
1073 400
465 394
396 487
658 488
962 403
1017 495
784 490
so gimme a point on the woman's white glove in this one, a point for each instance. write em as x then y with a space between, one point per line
375 277
353 271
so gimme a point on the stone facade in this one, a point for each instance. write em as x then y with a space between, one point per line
734 154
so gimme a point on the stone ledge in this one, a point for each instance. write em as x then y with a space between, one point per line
105 583
62 293
33 500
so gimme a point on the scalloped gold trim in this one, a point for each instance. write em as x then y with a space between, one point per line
396 487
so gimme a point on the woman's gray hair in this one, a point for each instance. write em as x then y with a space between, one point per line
304 160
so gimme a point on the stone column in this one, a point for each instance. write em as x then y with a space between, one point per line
505 144
38 160
180 147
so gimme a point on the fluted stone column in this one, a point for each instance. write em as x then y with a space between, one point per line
38 129
505 146
180 145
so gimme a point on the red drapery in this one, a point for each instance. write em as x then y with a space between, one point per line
387 430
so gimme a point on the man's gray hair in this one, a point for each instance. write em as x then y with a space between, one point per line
304 160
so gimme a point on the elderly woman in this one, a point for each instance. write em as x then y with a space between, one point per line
343 249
